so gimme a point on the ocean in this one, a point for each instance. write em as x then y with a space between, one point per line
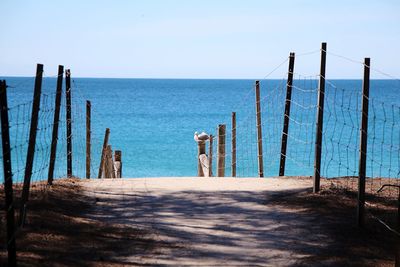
152 121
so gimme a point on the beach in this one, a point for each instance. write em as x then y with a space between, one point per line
190 221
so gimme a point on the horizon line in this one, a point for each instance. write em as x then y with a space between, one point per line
184 78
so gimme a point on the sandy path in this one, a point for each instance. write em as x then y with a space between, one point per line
213 221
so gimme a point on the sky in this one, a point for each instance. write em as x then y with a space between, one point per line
197 39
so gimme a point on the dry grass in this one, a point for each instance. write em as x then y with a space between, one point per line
336 207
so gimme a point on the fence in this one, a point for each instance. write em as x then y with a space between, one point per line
343 134
45 135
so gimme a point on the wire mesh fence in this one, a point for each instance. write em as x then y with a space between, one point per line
341 134
28 148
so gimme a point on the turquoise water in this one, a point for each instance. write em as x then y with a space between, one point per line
153 120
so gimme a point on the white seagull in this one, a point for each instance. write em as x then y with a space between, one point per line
201 137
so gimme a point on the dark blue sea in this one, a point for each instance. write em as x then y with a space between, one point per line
152 121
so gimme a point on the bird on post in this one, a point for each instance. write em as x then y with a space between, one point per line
201 137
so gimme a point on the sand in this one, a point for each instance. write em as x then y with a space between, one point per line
213 221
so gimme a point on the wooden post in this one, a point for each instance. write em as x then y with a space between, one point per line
8 182
69 121
221 150
109 163
32 142
118 163
259 132
210 156
88 137
201 149
56 121
286 117
363 145
320 121
103 151
233 144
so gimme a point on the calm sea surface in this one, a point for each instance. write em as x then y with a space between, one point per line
153 121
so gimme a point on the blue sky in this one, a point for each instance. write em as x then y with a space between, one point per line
196 39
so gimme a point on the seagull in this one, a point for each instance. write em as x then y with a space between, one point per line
203 136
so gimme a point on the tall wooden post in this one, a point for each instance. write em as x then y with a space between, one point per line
259 132
8 182
210 156
201 149
69 121
363 144
103 151
233 144
288 102
32 142
320 121
88 137
56 121
221 150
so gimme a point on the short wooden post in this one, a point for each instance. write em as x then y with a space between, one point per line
221 150
259 132
8 182
32 142
69 121
210 156
56 121
109 163
320 121
118 163
286 117
363 145
201 149
233 144
88 138
103 151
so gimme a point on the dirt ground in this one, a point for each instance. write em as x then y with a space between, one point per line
189 221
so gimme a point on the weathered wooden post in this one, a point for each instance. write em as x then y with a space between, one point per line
210 156
221 150
103 151
32 142
69 121
201 149
288 101
8 181
259 132
233 144
109 163
363 145
320 121
118 163
56 121
88 138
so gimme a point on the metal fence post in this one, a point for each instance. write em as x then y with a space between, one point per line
233 144
288 101
32 142
259 132
8 183
88 138
54 137
320 121
69 121
363 145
